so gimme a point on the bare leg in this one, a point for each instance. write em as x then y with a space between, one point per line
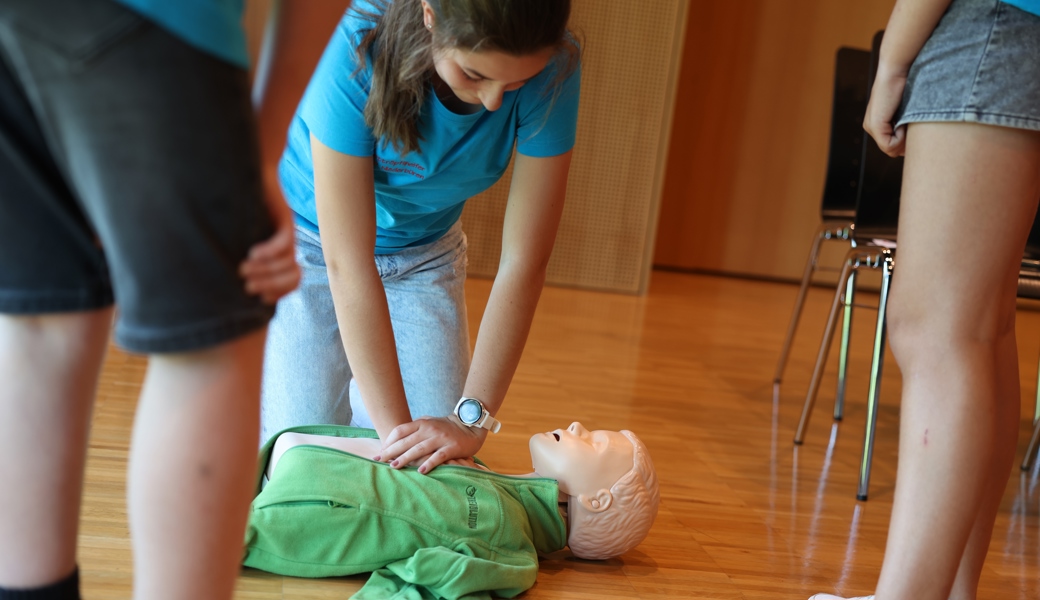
966 583
192 470
969 196
49 369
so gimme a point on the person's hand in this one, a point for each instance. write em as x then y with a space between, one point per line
431 442
270 271
885 97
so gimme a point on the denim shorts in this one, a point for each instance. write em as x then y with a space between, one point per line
129 173
980 65
307 379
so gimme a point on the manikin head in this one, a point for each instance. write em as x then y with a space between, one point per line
610 483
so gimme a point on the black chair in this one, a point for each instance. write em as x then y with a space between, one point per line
873 240
841 186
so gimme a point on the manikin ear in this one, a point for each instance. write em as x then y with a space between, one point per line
598 502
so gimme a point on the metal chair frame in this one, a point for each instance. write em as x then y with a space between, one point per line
884 259
1029 287
1027 459
874 233
864 256
828 230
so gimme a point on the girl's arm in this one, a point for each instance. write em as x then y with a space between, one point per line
532 217
345 196
909 27
293 41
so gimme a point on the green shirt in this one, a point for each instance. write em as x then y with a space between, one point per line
455 533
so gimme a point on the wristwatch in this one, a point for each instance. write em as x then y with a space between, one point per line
473 414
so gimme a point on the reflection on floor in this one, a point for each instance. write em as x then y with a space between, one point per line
744 514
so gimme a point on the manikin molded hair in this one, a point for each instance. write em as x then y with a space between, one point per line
633 508
401 51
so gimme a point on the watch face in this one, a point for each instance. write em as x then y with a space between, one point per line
470 412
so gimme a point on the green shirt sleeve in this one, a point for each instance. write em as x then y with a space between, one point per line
435 573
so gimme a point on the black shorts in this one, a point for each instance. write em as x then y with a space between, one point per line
129 173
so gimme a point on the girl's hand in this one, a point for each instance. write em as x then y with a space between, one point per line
885 97
270 270
437 440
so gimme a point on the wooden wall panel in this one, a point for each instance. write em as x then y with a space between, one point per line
749 140
629 71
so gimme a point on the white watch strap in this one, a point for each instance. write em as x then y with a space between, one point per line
490 423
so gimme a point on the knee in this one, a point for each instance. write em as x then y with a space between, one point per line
907 330
924 330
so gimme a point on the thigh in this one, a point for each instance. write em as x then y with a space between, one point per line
969 198
157 143
427 304
306 374
50 260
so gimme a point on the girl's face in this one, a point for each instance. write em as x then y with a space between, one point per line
482 77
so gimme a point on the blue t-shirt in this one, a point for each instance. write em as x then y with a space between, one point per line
1032 6
419 195
214 26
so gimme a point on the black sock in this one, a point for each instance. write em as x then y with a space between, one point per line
66 589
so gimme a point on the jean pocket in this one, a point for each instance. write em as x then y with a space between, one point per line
77 30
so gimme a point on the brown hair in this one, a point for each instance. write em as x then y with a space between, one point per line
400 50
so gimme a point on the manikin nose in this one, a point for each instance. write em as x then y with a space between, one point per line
577 429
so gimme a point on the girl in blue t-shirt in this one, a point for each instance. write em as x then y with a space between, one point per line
415 106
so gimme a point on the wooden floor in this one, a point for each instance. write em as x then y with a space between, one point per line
689 367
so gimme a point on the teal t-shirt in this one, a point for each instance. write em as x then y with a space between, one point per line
420 195
1032 6
214 26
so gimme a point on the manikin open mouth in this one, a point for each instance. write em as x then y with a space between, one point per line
557 436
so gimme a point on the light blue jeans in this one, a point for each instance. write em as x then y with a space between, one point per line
307 379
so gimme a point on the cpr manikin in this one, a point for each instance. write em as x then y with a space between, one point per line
594 491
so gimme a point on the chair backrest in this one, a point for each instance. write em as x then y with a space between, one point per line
1029 273
1033 242
881 180
849 104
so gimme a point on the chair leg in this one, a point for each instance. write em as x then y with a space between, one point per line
825 345
1027 460
799 303
843 351
876 362
1036 409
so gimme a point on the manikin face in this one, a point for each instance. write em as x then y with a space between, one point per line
482 77
582 461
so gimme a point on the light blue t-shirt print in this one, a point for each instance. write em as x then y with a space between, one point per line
420 195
